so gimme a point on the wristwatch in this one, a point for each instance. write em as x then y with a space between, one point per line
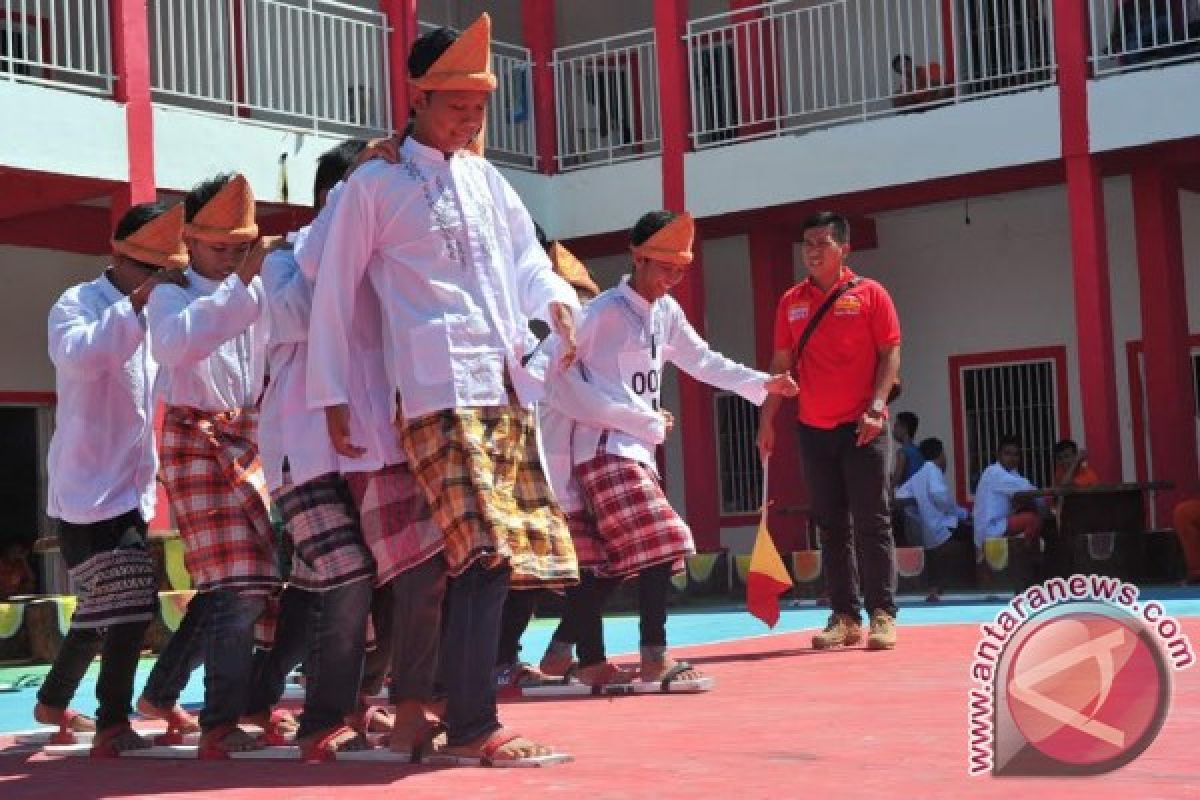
877 409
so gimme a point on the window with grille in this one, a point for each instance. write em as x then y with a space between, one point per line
1018 398
740 473
12 48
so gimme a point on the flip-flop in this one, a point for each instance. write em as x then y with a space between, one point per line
179 725
322 749
280 729
366 716
65 733
422 740
102 742
210 748
489 750
607 676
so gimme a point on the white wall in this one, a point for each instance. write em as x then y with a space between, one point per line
1135 108
191 147
49 130
33 279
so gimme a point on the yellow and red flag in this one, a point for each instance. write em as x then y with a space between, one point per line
767 577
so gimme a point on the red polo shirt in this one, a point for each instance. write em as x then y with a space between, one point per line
836 373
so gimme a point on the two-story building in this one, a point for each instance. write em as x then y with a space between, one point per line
1022 174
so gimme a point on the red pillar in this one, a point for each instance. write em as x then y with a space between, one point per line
1165 335
402 31
1089 247
695 399
538 20
131 68
772 274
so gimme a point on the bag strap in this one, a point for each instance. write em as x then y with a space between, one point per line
817 317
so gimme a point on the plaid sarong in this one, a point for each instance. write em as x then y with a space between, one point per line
637 524
397 524
113 587
482 475
589 546
215 481
327 545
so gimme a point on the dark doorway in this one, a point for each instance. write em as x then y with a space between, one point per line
19 470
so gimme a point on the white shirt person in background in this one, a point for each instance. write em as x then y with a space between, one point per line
937 518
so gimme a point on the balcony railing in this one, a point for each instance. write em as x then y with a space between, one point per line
1129 34
786 66
510 138
313 64
63 43
606 100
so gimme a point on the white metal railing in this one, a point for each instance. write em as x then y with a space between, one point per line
313 64
510 129
1127 34
739 471
789 65
62 43
606 100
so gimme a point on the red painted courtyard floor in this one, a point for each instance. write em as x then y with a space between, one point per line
784 721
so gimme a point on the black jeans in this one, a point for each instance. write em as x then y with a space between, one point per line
416 635
377 663
119 645
518 612
847 483
583 619
476 601
328 631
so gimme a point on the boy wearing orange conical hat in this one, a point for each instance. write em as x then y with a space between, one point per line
102 467
626 337
210 340
451 252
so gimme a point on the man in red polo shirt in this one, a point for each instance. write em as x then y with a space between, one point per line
845 371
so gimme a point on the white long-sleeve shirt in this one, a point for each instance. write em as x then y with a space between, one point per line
102 459
993 501
452 256
569 399
371 395
935 505
287 428
210 339
624 342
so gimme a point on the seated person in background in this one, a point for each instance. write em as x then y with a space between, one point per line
15 575
995 514
1187 527
940 518
919 84
1071 467
906 460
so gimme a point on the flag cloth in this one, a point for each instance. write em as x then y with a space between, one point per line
767 577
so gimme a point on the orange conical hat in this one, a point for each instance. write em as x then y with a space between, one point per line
574 271
466 65
672 243
228 216
158 243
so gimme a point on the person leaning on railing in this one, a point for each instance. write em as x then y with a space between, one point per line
920 85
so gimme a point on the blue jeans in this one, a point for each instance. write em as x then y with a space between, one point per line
183 653
469 652
228 656
327 631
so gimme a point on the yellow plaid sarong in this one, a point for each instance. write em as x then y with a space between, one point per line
481 473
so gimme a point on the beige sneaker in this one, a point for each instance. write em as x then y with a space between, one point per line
842 630
883 631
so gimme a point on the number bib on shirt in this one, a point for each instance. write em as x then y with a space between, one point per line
642 374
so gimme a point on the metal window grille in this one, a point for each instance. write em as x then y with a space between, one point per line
1017 398
738 466
1128 34
60 43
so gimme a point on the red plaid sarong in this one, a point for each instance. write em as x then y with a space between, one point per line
396 522
589 546
327 546
215 481
637 525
